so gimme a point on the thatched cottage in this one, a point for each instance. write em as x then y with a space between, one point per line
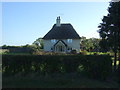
61 38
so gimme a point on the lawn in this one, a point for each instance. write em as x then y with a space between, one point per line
70 80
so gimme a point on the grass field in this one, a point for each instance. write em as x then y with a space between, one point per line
55 81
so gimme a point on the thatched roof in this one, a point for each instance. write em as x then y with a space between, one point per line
65 31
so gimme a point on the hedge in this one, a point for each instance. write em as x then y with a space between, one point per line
96 66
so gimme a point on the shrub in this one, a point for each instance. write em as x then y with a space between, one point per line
95 66
84 52
118 75
73 51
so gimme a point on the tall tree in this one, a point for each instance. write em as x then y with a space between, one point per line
104 45
110 29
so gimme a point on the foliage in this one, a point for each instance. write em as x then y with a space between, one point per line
73 51
9 47
91 44
93 65
110 29
3 51
104 45
21 49
84 52
39 43
32 48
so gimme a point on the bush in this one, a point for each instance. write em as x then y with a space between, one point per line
84 52
98 66
118 75
73 51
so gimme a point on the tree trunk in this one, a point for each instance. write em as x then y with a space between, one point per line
115 56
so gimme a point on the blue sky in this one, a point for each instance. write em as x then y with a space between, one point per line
24 22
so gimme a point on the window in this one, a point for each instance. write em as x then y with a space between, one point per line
53 41
69 40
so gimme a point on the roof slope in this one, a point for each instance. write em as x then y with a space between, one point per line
65 31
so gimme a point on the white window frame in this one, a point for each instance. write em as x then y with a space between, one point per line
53 40
69 40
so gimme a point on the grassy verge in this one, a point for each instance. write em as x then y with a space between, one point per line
70 80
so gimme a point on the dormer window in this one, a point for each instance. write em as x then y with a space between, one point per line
69 40
53 41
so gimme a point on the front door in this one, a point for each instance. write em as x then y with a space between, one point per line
59 48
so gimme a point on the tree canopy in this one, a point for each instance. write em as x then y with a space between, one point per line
39 43
91 44
110 29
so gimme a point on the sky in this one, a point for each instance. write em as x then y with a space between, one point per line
24 22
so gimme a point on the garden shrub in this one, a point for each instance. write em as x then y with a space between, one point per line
84 52
98 66
73 51
118 75
95 66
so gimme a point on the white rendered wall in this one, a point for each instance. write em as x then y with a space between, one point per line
75 44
